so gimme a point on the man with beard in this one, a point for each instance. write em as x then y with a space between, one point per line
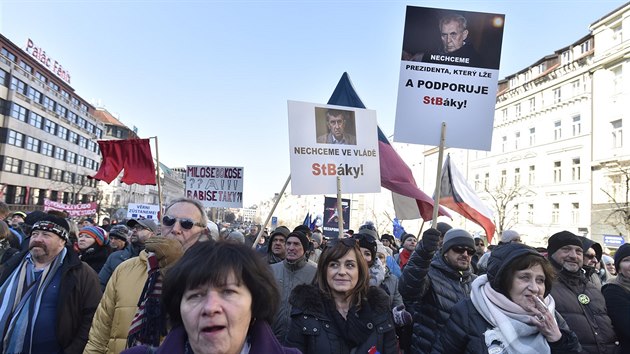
579 299
48 296
130 312
430 286
142 230
293 271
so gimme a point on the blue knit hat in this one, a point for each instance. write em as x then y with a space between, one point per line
97 233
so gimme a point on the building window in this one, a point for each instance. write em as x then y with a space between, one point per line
73 137
517 177
81 122
28 168
575 169
49 103
532 136
504 114
542 67
71 156
557 171
47 149
15 138
50 126
617 133
557 95
53 85
61 110
566 57
585 47
531 178
99 133
530 213
575 213
18 112
532 104
91 145
577 125
557 130
40 77
32 144
9 55
503 143
575 87
62 132
617 36
517 138
82 142
57 174
517 110
477 182
72 117
486 181
44 172
503 179
18 85
11 164
617 80
81 160
555 213
35 120
3 77
60 153
26 67
68 177
34 95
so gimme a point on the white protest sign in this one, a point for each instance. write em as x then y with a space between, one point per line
146 211
327 141
215 186
448 73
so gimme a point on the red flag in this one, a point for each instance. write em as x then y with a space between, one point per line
395 174
456 194
133 155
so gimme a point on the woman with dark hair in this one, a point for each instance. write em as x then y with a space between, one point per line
617 295
341 313
220 298
509 310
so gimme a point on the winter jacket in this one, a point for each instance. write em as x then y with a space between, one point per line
430 288
618 305
464 333
261 340
95 256
79 295
288 276
313 329
114 261
589 321
119 304
390 285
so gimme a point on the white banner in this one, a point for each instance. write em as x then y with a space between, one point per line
327 141
143 211
215 186
448 73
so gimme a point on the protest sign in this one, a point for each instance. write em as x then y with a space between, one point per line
331 218
143 211
448 73
215 186
73 210
327 141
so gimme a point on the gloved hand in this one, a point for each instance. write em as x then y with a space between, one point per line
402 317
167 250
431 240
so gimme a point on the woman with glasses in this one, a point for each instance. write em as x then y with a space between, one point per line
341 313
509 310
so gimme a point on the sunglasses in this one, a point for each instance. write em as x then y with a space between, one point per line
462 250
589 256
185 223
348 242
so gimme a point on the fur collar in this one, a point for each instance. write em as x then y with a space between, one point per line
309 299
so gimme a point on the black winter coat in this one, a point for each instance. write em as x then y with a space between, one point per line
618 305
313 330
95 256
589 321
430 288
464 333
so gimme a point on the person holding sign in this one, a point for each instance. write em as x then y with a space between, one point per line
336 121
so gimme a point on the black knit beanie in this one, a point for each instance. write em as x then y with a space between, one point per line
303 239
622 252
500 260
561 239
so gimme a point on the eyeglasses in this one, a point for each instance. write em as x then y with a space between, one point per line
589 256
348 242
183 222
461 250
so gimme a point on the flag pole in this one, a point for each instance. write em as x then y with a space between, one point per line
438 179
262 229
339 208
157 175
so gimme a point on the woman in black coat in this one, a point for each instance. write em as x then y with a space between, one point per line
94 247
341 313
510 310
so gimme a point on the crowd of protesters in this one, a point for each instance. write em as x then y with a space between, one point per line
184 284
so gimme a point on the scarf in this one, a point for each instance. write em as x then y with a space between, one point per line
149 325
21 297
622 281
512 327
404 257
356 332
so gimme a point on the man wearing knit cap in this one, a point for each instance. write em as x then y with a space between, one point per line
578 299
118 237
408 242
276 247
431 285
509 236
294 270
48 296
